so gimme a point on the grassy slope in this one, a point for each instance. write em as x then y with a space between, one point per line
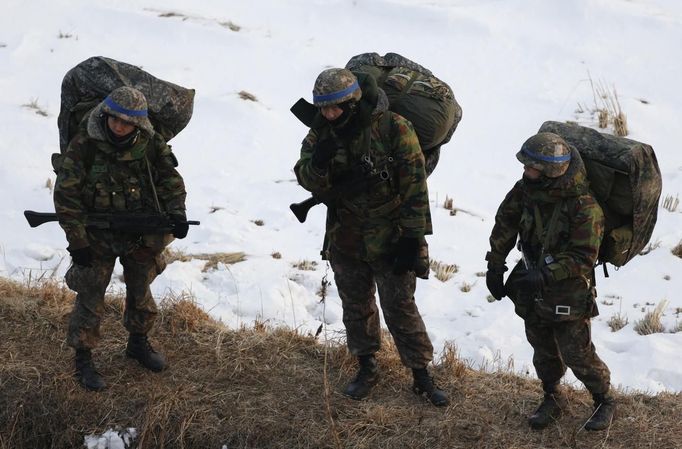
265 388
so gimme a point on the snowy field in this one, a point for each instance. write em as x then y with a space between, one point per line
512 64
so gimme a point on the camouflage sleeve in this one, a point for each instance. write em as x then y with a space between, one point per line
170 186
68 193
411 178
586 231
506 229
308 177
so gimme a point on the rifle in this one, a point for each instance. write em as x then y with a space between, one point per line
134 223
365 177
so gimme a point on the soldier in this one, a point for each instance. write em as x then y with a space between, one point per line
373 233
116 163
560 227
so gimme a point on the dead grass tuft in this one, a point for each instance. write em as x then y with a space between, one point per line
617 322
34 106
276 255
230 25
244 95
265 387
651 322
212 259
465 287
443 271
305 265
677 250
448 203
670 203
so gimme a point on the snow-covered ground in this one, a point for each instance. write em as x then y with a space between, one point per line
512 64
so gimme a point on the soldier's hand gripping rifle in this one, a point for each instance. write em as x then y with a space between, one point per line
133 223
362 178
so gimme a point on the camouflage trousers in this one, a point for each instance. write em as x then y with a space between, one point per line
557 345
357 282
140 268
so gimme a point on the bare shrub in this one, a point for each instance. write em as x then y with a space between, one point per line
651 322
276 255
443 272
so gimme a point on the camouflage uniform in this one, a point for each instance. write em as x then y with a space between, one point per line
364 229
560 227
96 176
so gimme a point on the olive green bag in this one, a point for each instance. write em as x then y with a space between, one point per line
416 94
626 181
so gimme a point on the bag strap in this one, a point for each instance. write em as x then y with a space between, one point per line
542 234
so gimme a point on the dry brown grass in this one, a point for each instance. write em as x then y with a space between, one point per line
670 203
651 322
264 388
443 271
677 250
212 259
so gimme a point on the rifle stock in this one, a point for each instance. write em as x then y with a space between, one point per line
301 209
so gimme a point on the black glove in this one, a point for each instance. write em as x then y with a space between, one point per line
494 280
533 282
406 255
323 153
82 256
180 226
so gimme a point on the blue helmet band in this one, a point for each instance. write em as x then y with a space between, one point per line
121 110
336 95
542 157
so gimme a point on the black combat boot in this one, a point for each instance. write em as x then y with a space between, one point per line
141 350
366 377
424 384
604 412
86 373
549 409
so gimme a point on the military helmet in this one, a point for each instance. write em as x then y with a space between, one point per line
335 86
130 105
546 152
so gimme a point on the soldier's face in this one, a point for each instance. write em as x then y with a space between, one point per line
331 113
531 173
119 127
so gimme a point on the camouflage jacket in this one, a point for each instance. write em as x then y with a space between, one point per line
95 176
571 246
368 224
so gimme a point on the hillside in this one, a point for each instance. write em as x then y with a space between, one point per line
264 387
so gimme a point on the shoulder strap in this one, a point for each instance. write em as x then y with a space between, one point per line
539 228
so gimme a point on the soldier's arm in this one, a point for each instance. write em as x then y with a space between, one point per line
506 228
586 231
67 195
170 187
411 174
309 177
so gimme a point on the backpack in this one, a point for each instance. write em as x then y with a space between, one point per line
416 94
89 82
626 181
